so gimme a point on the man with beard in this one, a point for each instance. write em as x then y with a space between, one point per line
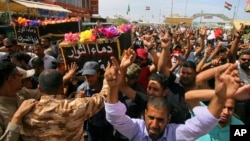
165 84
243 66
157 114
244 74
222 130
97 126
177 86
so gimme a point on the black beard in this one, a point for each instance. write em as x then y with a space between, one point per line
244 67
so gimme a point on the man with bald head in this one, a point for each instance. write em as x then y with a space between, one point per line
58 118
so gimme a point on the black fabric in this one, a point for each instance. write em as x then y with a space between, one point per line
179 109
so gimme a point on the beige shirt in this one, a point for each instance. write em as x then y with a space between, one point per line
8 131
58 119
8 107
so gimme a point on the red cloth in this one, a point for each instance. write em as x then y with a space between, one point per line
143 77
217 33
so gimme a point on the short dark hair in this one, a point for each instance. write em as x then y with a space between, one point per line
21 56
6 69
189 64
161 78
11 41
37 62
39 44
222 49
50 81
245 52
46 38
159 102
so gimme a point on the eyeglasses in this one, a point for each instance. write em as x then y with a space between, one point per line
244 59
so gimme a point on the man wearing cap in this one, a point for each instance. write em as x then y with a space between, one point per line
27 91
38 65
98 127
10 115
143 60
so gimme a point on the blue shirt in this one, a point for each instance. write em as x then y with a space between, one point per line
135 129
221 134
218 133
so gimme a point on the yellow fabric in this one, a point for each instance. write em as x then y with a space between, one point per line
29 6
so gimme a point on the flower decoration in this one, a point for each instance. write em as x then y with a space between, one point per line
21 21
110 32
35 22
104 32
125 28
71 37
27 22
86 35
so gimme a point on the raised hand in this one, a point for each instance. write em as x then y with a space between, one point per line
113 73
128 58
240 31
227 82
203 31
148 41
166 41
72 68
243 92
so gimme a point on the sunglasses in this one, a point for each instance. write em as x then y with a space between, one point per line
244 59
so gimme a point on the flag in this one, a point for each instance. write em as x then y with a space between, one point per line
128 10
228 5
147 7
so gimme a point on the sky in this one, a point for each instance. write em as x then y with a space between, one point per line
162 8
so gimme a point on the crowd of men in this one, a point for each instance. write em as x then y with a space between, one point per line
171 84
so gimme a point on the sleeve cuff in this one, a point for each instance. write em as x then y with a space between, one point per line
14 127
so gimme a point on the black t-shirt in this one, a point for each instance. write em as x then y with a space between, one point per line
179 109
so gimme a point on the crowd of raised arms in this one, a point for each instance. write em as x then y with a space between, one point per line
179 83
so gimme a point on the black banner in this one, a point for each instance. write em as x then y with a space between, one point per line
59 29
31 34
27 34
99 51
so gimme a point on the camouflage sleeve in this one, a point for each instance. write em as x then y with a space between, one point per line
25 93
11 133
91 105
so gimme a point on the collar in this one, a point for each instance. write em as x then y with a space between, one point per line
48 97
162 138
